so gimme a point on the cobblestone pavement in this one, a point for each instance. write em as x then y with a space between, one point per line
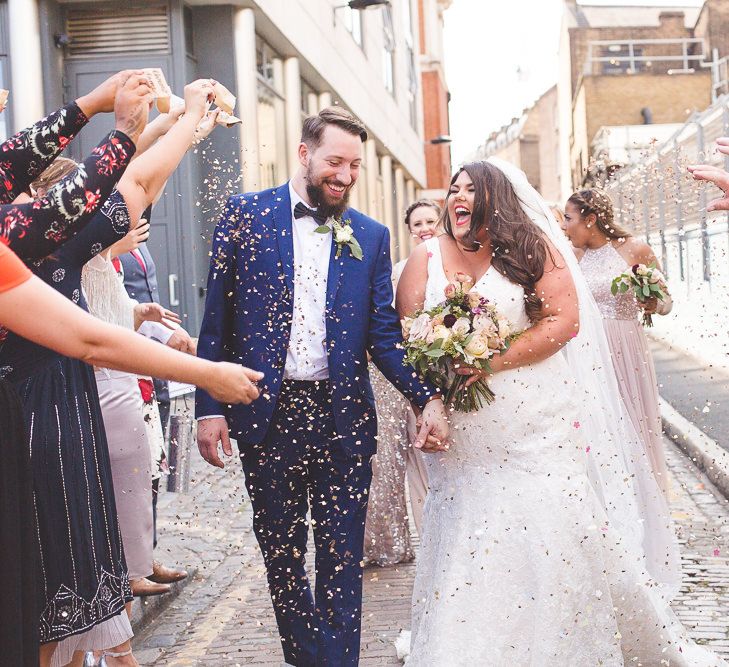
224 616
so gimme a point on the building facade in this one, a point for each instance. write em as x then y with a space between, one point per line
627 66
531 142
284 60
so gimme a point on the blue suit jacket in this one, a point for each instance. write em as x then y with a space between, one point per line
249 308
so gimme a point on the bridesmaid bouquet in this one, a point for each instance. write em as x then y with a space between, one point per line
647 282
465 329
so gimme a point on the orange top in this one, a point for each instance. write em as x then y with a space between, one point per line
12 271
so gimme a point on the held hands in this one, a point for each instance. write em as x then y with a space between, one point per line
433 428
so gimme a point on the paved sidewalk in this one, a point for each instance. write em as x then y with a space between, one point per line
224 616
698 391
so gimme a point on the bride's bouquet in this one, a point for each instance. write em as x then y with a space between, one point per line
463 330
647 282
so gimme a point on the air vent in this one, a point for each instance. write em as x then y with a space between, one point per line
109 32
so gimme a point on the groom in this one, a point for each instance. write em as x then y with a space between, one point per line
300 289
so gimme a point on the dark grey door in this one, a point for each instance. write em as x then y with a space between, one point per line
84 75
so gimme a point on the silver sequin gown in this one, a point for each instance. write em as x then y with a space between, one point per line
387 531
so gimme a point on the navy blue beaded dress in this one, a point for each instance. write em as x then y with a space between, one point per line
33 230
83 575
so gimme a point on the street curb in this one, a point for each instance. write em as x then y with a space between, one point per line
145 610
704 452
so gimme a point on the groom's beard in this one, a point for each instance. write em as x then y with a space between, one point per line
318 198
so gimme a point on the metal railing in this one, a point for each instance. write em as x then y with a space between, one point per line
631 56
658 199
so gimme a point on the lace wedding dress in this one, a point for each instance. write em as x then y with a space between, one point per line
519 565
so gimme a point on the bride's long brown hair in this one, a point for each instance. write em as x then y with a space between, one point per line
519 249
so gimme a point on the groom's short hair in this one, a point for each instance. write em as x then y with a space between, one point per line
314 126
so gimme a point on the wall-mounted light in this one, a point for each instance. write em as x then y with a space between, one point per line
442 139
62 40
359 5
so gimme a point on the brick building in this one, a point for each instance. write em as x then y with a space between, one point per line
531 142
435 98
627 66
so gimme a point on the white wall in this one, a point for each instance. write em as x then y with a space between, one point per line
354 75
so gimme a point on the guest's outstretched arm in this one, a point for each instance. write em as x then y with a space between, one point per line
147 174
25 155
36 229
37 312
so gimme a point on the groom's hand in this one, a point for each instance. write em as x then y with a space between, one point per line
209 433
433 428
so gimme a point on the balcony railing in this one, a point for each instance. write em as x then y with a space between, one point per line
650 56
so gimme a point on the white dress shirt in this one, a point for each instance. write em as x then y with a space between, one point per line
306 358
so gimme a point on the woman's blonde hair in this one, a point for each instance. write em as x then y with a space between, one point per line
59 169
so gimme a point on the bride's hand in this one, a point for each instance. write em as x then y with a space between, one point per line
496 362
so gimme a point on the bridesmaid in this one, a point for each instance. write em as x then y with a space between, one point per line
387 534
607 250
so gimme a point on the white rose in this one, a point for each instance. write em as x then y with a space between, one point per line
656 277
420 328
484 325
440 332
343 234
462 326
642 270
478 347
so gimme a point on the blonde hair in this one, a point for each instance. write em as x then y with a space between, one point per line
59 169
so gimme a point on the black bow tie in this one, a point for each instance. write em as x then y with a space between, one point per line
301 210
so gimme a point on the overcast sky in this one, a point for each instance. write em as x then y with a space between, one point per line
500 57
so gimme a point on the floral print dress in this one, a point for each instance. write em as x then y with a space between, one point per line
81 571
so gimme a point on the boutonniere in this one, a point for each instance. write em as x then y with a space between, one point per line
343 236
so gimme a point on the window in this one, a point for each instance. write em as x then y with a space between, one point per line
388 59
308 95
268 140
412 70
271 115
264 61
353 23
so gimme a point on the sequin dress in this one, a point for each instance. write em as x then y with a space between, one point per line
631 357
83 575
387 531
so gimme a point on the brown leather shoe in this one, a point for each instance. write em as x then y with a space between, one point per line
144 587
166 575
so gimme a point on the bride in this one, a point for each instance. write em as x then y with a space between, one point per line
534 540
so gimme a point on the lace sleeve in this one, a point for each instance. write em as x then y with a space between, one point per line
36 229
110 224
27 154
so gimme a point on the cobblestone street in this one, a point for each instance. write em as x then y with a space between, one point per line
224 616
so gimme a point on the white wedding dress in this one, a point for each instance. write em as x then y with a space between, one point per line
518 564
